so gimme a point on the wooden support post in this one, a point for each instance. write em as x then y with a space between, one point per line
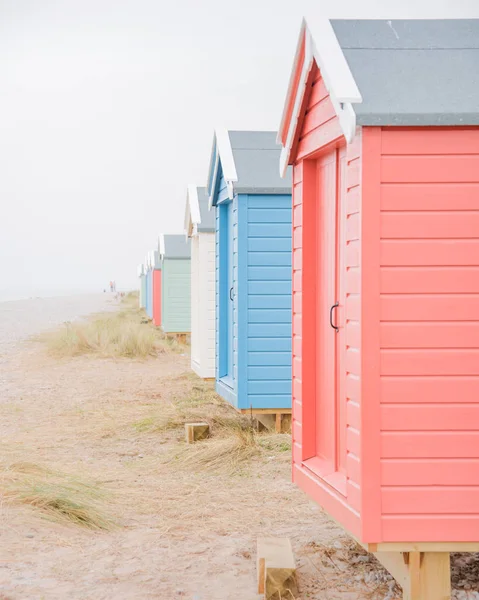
276 569
196 431
278 422
422 575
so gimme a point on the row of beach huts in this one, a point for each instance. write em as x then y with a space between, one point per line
332 270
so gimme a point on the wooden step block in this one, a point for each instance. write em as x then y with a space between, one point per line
196 431
276 569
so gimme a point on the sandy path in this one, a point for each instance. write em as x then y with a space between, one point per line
180 534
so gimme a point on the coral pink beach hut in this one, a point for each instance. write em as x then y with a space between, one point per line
381 126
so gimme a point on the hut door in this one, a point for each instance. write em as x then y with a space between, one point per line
330 404
230 291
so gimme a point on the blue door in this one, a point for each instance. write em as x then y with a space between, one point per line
230 292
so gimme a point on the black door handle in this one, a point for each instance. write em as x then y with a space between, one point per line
331 317
231 294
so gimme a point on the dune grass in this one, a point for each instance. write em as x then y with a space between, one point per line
56 495
124 333
234 439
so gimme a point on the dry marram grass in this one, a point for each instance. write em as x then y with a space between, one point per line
125 333
56 495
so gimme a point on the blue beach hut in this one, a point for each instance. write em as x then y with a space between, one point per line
253 271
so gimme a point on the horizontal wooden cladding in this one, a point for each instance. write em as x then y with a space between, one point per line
449 471
432 141
430 225
430 417
430 168
430 362
323 135
430 444
430 528
438 388
431 334
426 252
320 113
430 500
318 93
433 280
427 307
430 196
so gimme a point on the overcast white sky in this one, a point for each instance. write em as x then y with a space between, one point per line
107 110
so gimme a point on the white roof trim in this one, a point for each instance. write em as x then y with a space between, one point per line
192 213
331 60
322 44
162 244
224 152
140 270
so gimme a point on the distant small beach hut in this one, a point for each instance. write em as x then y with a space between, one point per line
156 288
175 254
149 285
200 227
142 285
253 272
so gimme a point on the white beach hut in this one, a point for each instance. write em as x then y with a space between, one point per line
200 227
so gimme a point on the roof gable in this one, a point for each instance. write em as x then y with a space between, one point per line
174 247
405 72
198 217
248 162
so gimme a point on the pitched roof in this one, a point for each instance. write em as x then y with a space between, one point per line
197 211
377 72
174 246
413 72
249 163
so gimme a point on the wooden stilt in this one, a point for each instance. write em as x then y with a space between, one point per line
422 575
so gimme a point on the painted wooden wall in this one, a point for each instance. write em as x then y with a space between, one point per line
424 185
321 126
149 293
203 304
176 295
142 291
156 297
261 313
265 276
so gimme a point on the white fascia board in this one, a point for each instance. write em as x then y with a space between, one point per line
194 204
225 153
162 244
214 180
331 60
307 65
290 91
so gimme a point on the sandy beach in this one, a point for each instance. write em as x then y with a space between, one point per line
179 532
20 319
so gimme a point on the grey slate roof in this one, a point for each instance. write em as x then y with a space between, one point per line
413 72
256 156
208 217
156 259
177 246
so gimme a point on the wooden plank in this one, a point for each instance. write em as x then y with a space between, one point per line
427 307
430 362
443 252
437 388
432 280
429 224
432 141
429 417
196 431
458 334
433 528
276 568
423 547
439 169
430 444
430 500
429 196
438 471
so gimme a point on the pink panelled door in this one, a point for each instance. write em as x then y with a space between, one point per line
329 461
